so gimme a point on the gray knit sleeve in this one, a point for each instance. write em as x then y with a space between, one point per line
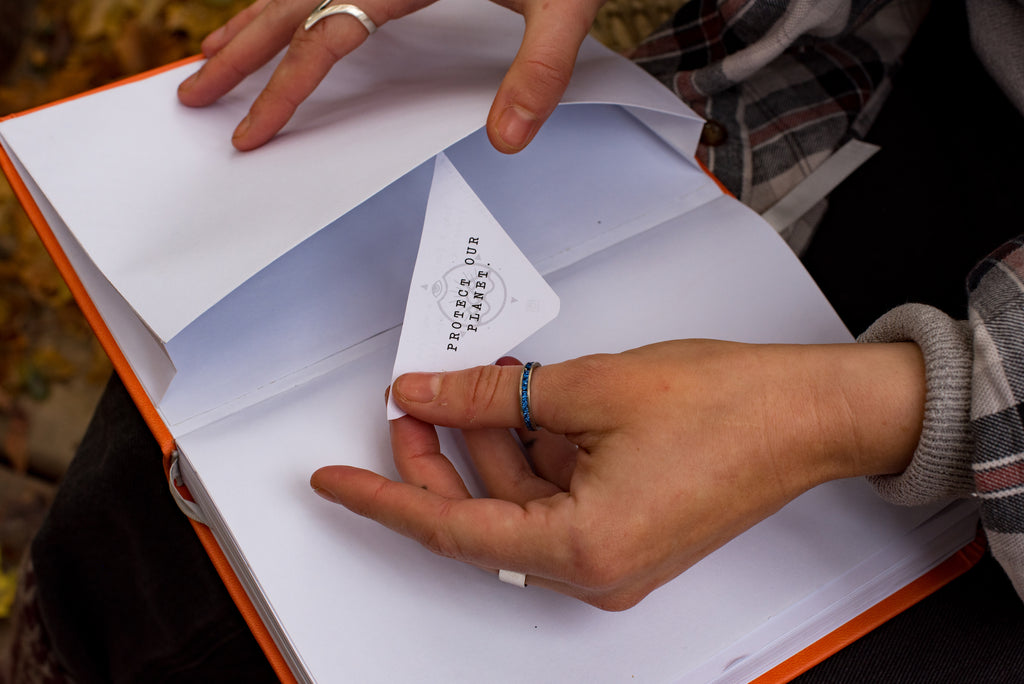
941 467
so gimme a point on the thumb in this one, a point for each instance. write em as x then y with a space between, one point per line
540 72
565 398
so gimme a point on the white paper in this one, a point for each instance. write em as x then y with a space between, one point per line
592 177
361 603
178 219
145 355
474 295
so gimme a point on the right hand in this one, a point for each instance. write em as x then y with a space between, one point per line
528 94
649 460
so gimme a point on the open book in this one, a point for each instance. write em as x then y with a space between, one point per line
253 303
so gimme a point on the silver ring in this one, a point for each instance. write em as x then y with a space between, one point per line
326 9
524 394
512 577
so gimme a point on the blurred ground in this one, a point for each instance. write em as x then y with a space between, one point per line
51 368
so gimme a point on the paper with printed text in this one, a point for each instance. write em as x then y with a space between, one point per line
474 295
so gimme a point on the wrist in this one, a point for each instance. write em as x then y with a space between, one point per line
825 412
873 408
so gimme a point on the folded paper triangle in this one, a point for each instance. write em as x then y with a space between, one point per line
474 295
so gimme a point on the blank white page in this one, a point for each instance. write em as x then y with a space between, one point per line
592 177
176 218
357 602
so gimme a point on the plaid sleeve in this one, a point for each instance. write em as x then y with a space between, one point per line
783 84
996 312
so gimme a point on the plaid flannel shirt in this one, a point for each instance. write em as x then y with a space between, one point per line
783 85
996 312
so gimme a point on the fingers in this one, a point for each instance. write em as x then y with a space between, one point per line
311 54
481 397
419 459
505 472
528 94
549 455
249 41
213 43
258 34
552 456
540 72
495 453
489 533
565 398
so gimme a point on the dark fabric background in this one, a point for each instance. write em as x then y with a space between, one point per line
945 190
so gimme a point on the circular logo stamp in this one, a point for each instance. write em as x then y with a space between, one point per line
471 293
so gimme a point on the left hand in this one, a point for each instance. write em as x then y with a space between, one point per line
528 94
649 459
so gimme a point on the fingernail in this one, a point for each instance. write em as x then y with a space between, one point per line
418 387
324 494
515 127
188 82
243 127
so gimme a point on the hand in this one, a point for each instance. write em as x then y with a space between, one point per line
529 93
650 459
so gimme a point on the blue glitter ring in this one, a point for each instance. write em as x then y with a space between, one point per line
524 394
